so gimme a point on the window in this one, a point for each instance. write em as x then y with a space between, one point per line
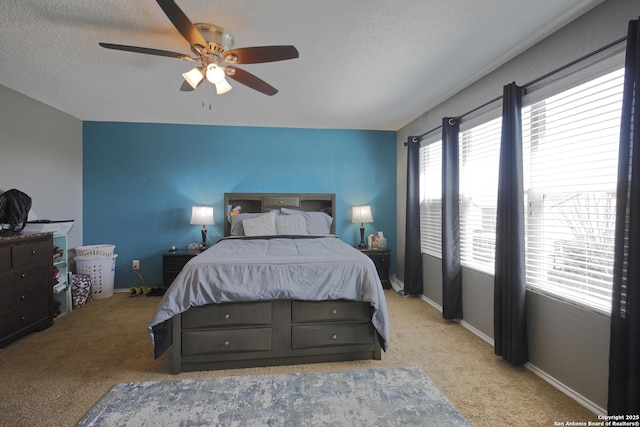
431 199
479 165
571 141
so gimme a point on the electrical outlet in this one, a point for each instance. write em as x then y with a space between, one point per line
136 264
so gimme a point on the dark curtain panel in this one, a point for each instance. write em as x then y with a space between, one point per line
451 270
412 254
624 352
510 320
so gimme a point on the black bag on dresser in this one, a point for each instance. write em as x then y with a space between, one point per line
14 211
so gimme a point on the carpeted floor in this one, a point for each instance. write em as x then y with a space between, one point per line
53 377
362 397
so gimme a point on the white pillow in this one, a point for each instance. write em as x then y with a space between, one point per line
291 225
263 225
317 222
236 222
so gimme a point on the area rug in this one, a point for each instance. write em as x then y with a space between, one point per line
365 397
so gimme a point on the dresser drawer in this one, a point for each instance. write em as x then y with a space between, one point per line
308 336
225 340
175 263
32 277
24 315
20 297
30 253
5 258
228 315
329 311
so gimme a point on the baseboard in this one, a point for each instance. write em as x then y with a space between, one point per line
397 285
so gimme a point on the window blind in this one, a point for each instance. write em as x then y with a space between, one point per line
479 165
571 151
431 199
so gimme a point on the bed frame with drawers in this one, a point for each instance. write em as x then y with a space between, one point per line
270 333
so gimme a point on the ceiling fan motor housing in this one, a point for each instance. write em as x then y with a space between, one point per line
218 38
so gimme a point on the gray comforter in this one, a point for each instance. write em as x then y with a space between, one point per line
311 268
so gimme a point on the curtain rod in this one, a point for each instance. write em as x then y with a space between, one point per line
532 82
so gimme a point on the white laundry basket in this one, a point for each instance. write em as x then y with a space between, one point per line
102 271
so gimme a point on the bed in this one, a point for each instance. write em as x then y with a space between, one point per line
279 289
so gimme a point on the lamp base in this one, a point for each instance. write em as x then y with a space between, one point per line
203 245
362 245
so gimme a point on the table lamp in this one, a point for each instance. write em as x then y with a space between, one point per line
202 215
361 214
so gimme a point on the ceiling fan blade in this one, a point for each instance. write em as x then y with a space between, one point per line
259 54
183 24
251 81
148 51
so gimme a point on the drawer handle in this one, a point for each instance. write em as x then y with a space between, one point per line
23 297
334 337
23 275
226 316
226 343
334 311
33 252
22 318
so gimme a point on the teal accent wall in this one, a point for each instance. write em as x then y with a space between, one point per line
140 181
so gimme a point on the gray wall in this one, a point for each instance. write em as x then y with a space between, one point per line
41 155
567 343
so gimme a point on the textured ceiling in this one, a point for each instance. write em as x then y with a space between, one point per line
364 64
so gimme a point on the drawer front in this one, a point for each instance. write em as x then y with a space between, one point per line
225 341
228 315
24 297
309 336
21 279
29 253
23 315
269 203
175 262
5 257
329 311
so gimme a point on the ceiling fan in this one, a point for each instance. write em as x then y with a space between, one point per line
213 47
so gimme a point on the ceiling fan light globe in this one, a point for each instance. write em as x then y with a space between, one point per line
215 74
223 87
193 77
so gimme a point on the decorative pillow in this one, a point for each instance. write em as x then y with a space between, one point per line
291 225
263 225
236 222
317 222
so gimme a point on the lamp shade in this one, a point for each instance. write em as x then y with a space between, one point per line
215 74
361 214
194 76
223 87
202 215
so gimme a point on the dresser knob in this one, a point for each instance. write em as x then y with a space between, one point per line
23 275
33 252
226 316
334 311
226 343
23 297
22 318
334 337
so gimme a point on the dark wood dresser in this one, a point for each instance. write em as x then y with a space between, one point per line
26 293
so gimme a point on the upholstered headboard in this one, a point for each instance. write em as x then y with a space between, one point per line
265 202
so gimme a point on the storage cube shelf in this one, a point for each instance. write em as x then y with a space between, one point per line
62 290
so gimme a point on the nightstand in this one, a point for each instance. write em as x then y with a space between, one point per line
172 263
382 259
